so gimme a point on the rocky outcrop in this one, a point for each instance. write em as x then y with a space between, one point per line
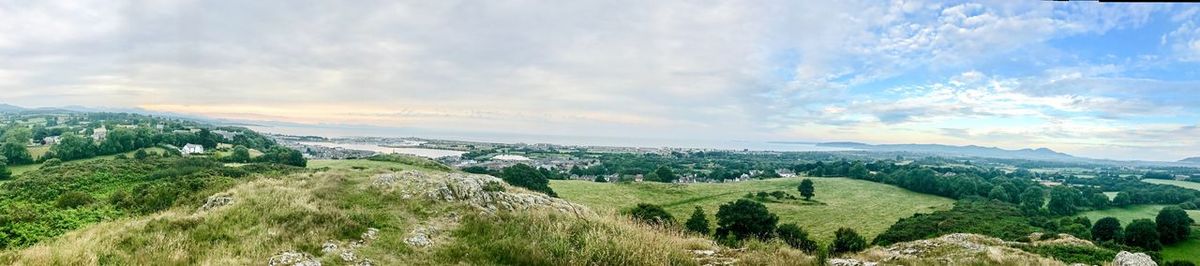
952 249
293 258
1125 258
470 189
216 201
850 262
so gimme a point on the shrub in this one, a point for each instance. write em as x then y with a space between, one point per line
493 186
525 176
847 240
73 199
1107 229
52 163
796 237
1143 233
745 218
698 222
651 214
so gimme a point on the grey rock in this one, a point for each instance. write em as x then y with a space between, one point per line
293 258
216 201
1125 258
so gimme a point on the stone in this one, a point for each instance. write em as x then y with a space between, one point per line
293 258
420 238
370 234
850 262
216 201
329 247
1125 258
348 256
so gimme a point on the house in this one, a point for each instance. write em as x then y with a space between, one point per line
51 140
192 149
99 133
638 178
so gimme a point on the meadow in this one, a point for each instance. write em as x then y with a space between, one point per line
1182 184
864 206
1187 250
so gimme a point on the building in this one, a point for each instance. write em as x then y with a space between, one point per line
51 140
99 133
192 149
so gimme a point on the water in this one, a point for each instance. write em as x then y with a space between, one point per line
334 131
423 152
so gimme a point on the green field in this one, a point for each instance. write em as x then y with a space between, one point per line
38 151
1188 250
1182 184
868 207
19 169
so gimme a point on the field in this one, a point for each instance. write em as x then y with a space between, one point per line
1182 184
865 206
19 169
38 151
1188 250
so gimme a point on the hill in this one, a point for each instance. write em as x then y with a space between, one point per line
1195 160
872 206
7 108
969 150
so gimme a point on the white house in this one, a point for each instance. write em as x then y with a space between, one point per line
51 140
99 133
192 149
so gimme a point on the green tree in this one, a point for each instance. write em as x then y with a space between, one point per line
998 193
240 154
858 171
4 173
1032 200
698 222
847 240
651 214
1143 233
665 175
806 189
281 155
16 153
73 147
1107 229
743 219
1063 200
140 154
51 163
523 175
19 135
1122 199
796 237
600 179
1174 225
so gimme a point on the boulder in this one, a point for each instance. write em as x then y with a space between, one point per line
1125 258
217 201
293 258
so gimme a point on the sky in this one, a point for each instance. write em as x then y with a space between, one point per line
1101 80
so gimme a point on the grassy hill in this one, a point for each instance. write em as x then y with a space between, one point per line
388 213
867 207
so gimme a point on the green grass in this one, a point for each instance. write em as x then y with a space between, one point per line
1182 184
1187 250
20 169
1128 214
865 206
38 151
1111 195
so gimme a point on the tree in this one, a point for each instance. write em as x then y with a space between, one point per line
73 147
4 173
51 163
283 155
847 240
19 135
140 154
665 175
998 193
523 175
240 154
698 222
745 218
600 179
806 189
1063 200
651 214
1098 200
16 153
796 237
1143 233
1174 225
858 171
1032 200
1122 199
1107 229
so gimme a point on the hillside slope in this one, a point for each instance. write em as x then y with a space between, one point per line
382 213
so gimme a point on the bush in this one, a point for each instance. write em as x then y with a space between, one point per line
493 186
743 218
52 163
796 237
698 222
525 176
1143 233
1107 229
1089 255
73 199
651 214
847 240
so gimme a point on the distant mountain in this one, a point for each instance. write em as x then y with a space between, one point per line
1195 160
969 150
7 108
